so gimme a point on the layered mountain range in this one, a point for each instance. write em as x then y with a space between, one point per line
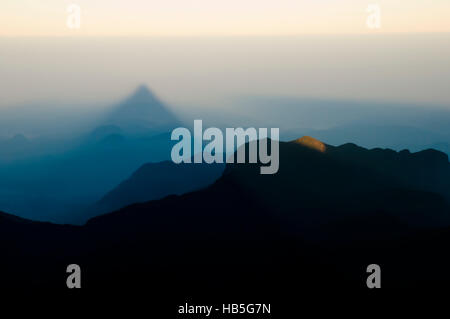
315 225
60 180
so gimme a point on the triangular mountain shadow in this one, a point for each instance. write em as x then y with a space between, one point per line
141 112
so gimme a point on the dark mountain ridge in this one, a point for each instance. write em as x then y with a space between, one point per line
314 226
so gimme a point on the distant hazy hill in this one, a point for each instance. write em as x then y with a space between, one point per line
58 180
142 112
157 180
102 132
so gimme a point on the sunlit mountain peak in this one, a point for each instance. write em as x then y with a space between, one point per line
312 143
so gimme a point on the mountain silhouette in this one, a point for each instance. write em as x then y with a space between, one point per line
61 185
102 132
141 112
314 226
157 180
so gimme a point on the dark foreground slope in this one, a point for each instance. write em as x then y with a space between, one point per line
312 228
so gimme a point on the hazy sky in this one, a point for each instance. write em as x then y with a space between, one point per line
409 68
316 48
220 17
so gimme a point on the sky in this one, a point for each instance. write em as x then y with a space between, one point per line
403 68
199 52
219 17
